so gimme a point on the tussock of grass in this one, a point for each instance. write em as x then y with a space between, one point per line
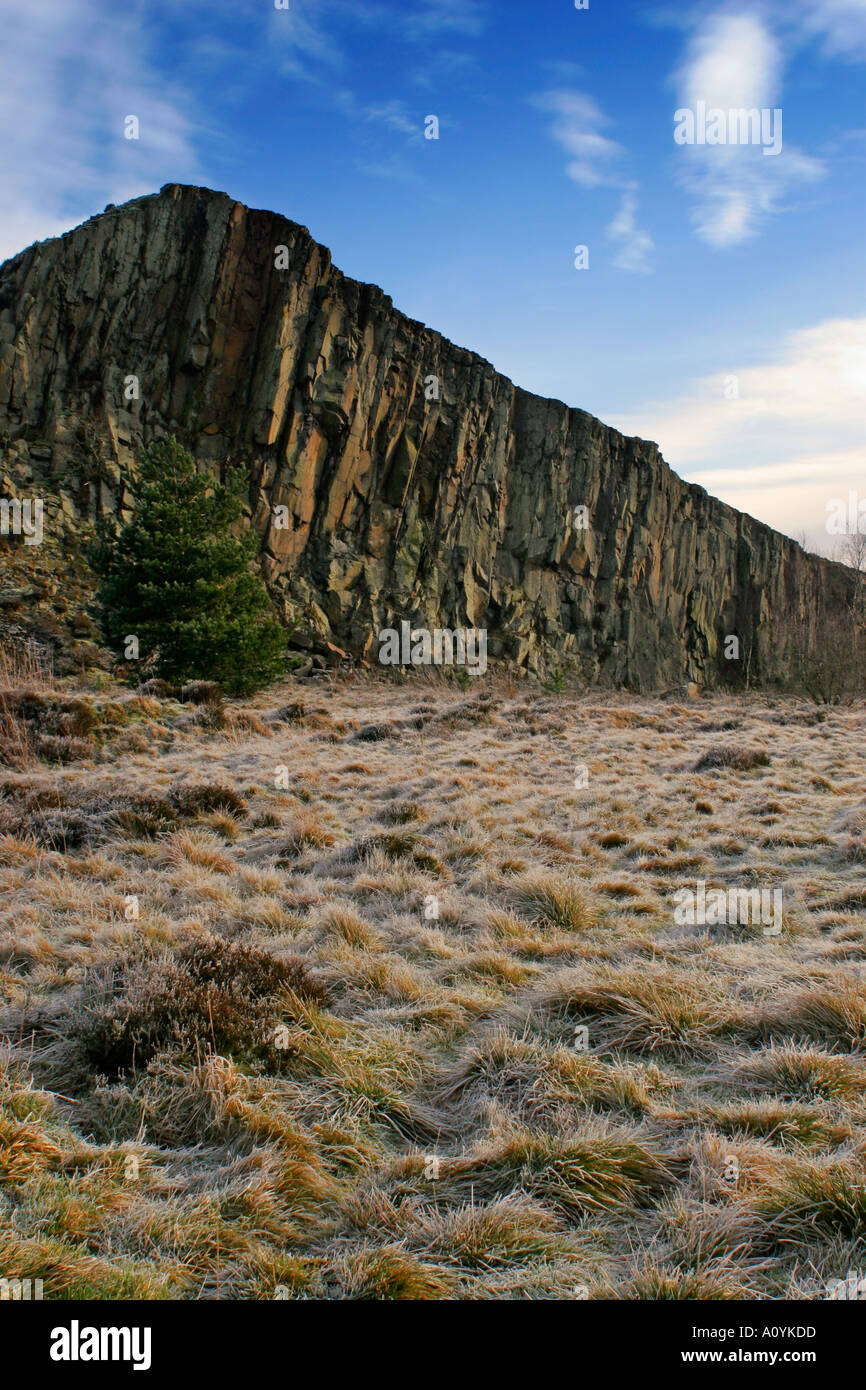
833 1015
307 831
779 1122
639 1013
814 1196
720 1280
508 1231
403 813
535 1081
591 1170
801 1071
387 1272
551 900
740 759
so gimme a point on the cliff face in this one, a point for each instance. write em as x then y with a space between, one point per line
392 475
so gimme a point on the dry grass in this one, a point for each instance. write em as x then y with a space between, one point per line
25 670
417 1020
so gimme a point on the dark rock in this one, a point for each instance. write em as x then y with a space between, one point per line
416 482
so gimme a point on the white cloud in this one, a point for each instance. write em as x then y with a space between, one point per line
733 62
311 42
394 115
593 163
576 128
311 34
793 436
840 24
634 243
70 72
791 497
444 16
305 38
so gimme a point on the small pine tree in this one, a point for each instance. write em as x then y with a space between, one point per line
178 579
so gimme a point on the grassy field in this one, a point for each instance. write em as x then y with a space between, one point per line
350 992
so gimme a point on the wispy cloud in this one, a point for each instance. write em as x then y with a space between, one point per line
443 17
577 128
634 244
305 38
595 161
70 72
776 438
734 62
394 116
313 43
840 25
312 34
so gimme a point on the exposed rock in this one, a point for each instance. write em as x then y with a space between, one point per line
414 481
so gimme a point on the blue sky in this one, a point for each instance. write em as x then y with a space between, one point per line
722 313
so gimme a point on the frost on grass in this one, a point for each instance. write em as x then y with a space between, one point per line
366 998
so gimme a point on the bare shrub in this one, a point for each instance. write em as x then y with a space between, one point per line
741 759
202 798
828 660
208 995
24 667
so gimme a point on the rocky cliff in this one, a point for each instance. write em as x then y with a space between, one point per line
392 475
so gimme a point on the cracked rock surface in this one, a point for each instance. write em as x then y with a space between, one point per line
392 475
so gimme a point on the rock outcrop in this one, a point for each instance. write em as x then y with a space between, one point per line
392 475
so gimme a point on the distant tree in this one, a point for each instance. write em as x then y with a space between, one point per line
854 555
177 578
827 654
